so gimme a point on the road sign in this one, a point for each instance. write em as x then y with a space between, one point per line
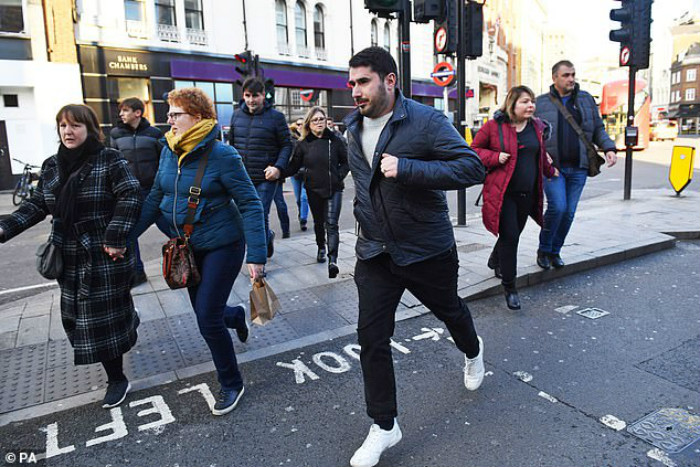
681 171
624 56
307 95
440 40
443 74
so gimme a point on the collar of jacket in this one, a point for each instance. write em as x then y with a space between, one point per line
143 124
553 91
206 140
353 120
312 137
244 107
541 126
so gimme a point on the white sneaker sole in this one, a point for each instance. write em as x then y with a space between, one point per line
230 407
111 406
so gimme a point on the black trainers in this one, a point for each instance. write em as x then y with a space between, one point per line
116 393
271 244
227 401
333 270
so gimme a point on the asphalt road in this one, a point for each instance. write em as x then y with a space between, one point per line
552 375
650 171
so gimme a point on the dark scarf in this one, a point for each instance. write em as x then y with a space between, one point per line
70 161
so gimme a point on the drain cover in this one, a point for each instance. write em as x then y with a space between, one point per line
593 313
669 429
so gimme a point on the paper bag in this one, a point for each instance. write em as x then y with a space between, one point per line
263 303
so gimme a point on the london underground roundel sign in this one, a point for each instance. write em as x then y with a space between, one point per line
443 74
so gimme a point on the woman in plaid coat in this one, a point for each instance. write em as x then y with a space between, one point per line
94 201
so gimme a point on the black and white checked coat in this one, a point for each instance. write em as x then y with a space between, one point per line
96 307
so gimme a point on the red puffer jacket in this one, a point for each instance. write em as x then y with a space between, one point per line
487 145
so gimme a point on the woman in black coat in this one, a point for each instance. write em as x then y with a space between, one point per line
94 201
324 157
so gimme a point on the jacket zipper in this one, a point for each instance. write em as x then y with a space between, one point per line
177 178
330 181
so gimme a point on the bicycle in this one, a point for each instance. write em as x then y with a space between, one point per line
25 187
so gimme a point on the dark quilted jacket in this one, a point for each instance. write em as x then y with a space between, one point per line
262 140
325 163
141 149
408 217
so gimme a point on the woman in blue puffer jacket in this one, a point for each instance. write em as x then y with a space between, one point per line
228 216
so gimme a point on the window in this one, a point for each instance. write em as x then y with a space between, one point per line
691 74
289 102
134 10
220 93
11 17
319 28
165 12
374 33
387 37
10 100
194 17
281 19
690 94
300 26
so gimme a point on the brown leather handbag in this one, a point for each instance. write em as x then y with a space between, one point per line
179 266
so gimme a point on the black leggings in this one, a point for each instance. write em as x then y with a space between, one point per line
115 369
326 212
514 212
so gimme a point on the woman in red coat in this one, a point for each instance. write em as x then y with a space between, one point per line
511 146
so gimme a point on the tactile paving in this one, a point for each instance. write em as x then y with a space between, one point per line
153 331
59 354
70 380
298 300
669 429
152 359
333 293
276 331
22 377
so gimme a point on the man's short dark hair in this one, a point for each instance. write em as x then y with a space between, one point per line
134 103
376 58
560 64
253 85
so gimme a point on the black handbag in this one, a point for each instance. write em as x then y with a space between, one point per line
49 261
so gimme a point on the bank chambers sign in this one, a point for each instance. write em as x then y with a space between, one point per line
127 63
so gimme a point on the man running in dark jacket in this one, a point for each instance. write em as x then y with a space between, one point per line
261 136
403 155
139 143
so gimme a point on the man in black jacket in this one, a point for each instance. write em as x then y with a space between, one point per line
403 155
261 136
139 143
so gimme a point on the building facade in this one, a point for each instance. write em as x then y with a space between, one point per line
685 90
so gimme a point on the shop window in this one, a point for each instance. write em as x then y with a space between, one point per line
11 16
319 28
165 12
135 10
194 15
184 84
387 37
122 88
10 100
281 20
374 33
300 28
289 102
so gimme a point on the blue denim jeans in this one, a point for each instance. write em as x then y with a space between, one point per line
302 200
219 269
281 206
563 193
267 191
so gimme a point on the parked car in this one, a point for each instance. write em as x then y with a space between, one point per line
662 130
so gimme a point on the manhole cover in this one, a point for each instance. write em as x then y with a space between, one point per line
592 313
669 429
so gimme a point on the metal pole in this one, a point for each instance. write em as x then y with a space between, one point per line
405 20
445 100
461 103
630 122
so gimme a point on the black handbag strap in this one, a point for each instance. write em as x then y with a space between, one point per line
570 118
195 192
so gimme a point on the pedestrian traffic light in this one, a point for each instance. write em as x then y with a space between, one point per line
384 6
473 30
446 31
247 63
270 91
634 34
426 10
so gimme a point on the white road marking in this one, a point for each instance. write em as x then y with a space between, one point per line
523 376
565 309
204 390
551 399
301 371
661 456
613 422
117 426
341 366
433 334
28 287
52 448
158 406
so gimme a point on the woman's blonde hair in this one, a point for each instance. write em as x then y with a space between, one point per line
194 101
305 130
512 98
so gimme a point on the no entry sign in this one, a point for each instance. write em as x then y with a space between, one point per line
443 74
440 40
624 56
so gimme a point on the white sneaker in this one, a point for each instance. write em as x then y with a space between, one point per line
474 369
375 444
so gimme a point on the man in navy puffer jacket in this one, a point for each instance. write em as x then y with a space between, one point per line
261 136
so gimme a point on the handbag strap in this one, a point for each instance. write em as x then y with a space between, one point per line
500 137
574 124
195 192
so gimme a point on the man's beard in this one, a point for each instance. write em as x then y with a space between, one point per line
377 106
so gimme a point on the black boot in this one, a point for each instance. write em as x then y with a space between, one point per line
543 260
556 261
512 299
321 255
333 269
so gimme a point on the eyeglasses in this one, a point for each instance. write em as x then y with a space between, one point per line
175 115
317 120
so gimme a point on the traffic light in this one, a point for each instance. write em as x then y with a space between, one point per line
446 33
473 30
270 91
384 6
634 34
247 65
425 10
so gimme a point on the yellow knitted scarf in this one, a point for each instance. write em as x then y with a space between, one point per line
183 143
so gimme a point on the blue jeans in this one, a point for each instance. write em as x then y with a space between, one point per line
219 269
302 200
563 193
281 206
267 191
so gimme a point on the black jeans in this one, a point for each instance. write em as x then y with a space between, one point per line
380 284
326 212
514 213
